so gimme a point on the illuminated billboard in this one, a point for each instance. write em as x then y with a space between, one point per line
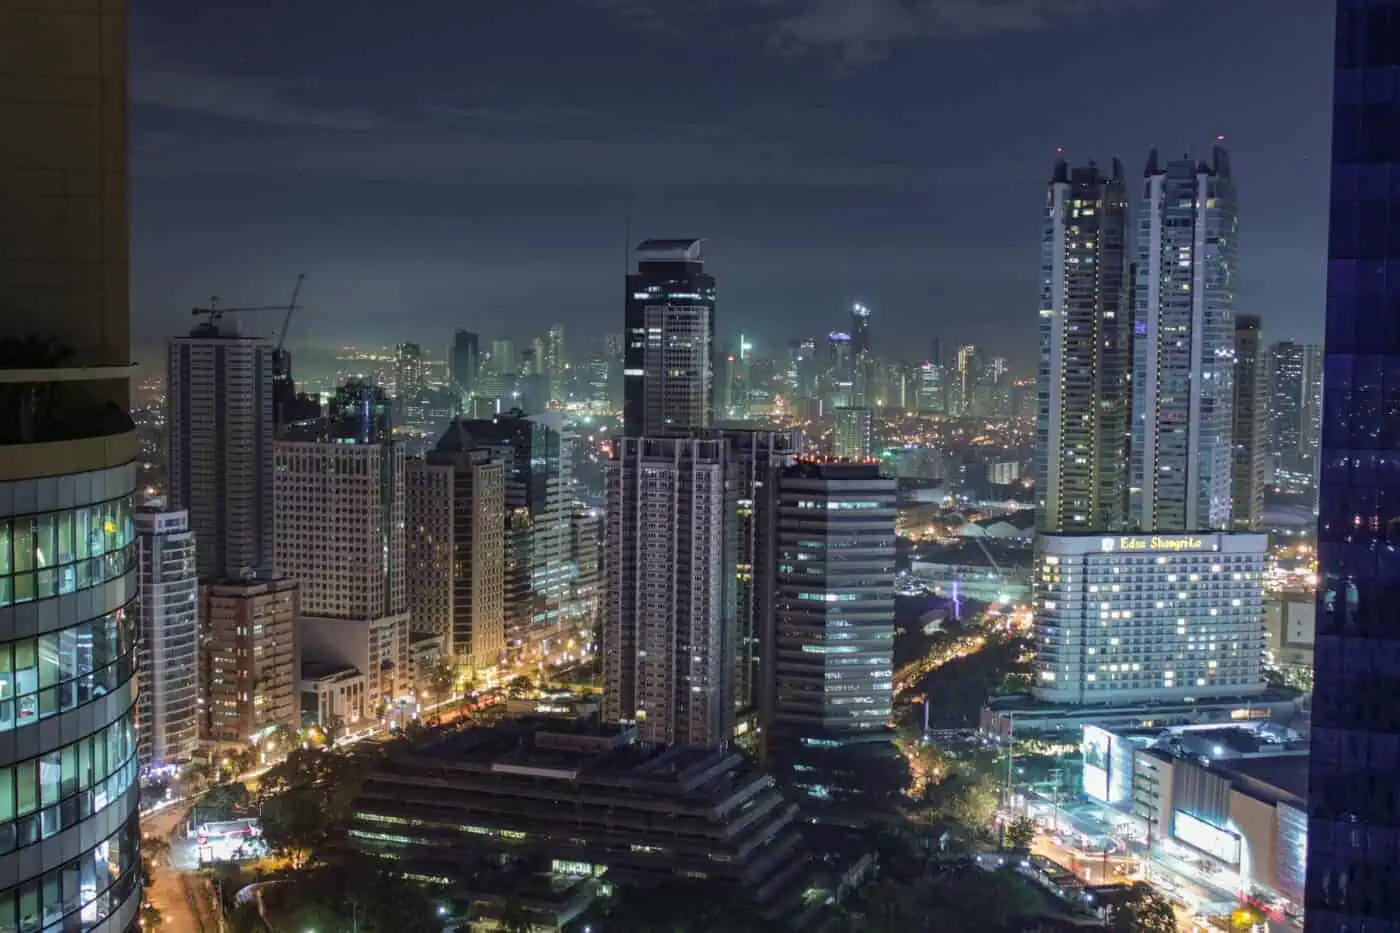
1210 839
1096 746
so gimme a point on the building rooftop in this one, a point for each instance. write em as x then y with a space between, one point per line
1277 777
678 244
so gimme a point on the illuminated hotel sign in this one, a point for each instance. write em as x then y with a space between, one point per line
1155 543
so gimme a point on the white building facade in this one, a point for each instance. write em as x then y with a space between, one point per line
1183 346
668 616
341 533
167 708
1130 618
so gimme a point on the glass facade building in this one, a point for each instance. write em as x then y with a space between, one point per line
668 371
1354 793
69 830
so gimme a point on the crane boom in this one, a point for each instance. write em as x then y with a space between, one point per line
291 306
215 313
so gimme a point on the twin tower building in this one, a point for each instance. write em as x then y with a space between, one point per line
1148 577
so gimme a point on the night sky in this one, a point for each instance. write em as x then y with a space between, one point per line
435 164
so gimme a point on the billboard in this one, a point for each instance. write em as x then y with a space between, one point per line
1210 839
1097 747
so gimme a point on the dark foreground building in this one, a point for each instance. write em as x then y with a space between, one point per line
579 802
1354 785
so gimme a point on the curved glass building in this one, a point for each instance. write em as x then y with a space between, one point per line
68 561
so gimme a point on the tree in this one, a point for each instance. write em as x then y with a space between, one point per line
1142 910
519 686
1020 833
440 681
306 801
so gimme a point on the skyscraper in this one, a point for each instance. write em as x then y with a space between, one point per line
465 361
833 660
1247 471
840 369
854 433
1352 813
67 467
410 377
456 510
668 361
1183 346
168 646
1082 421
668 603
535 453
556 365
754 458
860 330
1294 398
341 533
475 479
220 400
967 363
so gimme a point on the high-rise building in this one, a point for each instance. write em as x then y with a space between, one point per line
429 512
930 394
555 366
410 375
833 661
860 330
1356 692
219 395
1247 470
668 603
600 383
586 556
1183 346
476 481
167 640
840 370
341 533
68 451
1142 618
537 459
853 433
668 363
1085 354
1294 399
250 666
754 457
465 361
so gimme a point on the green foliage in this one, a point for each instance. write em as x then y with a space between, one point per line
1142 910
963 801
351 894
306 801
1021 833
964 899
226 798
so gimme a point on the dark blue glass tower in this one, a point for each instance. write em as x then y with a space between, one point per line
1354 786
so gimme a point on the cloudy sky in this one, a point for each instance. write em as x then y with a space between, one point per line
436 164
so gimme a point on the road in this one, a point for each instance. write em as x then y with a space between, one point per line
181 898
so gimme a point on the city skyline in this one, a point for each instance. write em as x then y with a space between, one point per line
869 205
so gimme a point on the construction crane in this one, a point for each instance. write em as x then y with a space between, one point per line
215 315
